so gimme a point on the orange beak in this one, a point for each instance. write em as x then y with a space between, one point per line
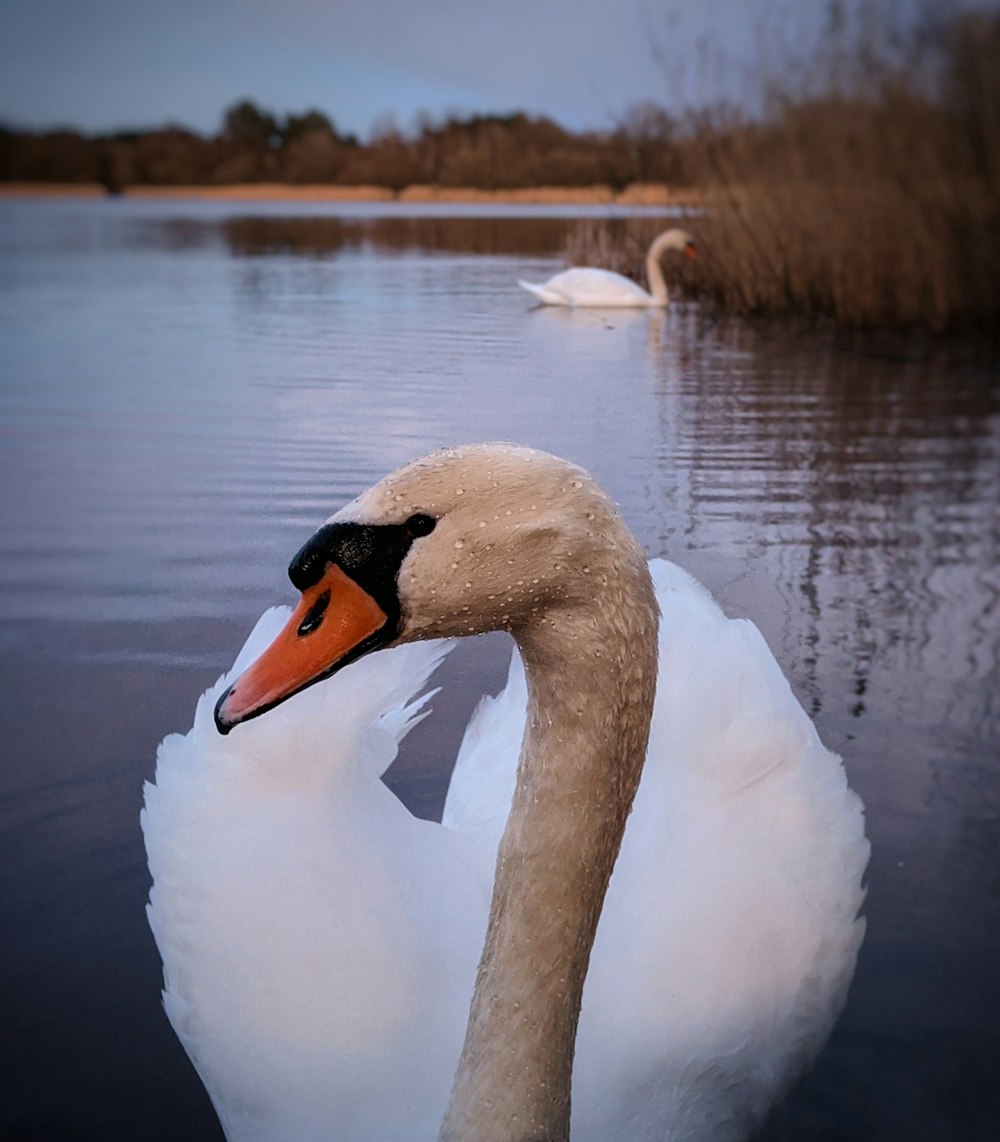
691 252
333 623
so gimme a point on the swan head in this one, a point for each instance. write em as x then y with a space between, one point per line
675 239
465 540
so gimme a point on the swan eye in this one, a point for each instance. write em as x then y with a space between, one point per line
419 524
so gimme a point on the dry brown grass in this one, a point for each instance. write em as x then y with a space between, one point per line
866 255
544 195
266 191
635 194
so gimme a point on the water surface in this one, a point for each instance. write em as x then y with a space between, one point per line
187 390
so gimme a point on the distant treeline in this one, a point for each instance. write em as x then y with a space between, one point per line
490 152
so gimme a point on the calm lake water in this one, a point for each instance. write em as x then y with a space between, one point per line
187 390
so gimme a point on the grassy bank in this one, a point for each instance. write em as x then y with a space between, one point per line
869 197
636 194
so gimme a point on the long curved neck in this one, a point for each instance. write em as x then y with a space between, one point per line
591 672
654 273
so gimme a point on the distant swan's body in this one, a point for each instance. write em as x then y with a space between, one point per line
320 943
596 288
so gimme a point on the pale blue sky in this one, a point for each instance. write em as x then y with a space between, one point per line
105 64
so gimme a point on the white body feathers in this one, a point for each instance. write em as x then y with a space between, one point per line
592 288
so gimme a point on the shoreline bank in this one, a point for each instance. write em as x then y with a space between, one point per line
637 194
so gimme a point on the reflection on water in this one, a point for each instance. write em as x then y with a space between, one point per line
188 389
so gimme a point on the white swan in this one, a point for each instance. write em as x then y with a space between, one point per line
320 943
603 288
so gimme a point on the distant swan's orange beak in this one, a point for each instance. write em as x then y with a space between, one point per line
691 252
334 622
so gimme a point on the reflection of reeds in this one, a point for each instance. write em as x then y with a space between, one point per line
872 199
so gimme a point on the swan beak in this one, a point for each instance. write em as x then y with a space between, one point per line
691 252
335 622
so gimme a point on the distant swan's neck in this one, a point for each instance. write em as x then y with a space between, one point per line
654 274
591 671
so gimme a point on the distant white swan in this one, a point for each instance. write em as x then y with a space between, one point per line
320 942
603 288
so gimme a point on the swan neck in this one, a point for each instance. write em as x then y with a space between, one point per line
591 670
654 274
